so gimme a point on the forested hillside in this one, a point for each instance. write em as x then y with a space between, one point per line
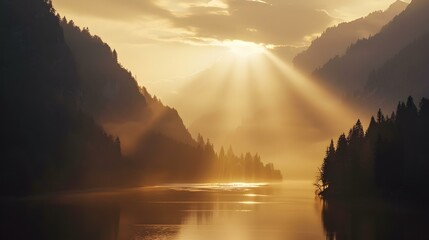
336 40
405 74
50 143
349 73
389 160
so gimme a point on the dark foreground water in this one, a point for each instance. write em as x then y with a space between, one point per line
204 212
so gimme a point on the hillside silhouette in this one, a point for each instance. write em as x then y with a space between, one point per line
109 91
389 160
349 73
112 95
405 74
61 89
50 143
336 40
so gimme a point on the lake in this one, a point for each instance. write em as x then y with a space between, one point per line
234 211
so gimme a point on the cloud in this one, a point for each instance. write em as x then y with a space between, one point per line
270 22
187 7
114 9
257 21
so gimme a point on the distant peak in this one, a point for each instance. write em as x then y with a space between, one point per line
398 4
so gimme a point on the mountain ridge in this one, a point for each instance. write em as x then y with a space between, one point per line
348 73
110 92
335 40
403 75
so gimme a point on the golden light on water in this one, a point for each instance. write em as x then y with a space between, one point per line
227 214
254 195
233 186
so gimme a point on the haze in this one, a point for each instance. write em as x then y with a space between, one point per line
225 65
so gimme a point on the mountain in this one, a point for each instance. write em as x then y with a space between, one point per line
335 40
109 91
349 73
112 95
49 142
405 74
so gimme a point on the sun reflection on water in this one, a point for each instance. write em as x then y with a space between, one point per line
203 187
250 202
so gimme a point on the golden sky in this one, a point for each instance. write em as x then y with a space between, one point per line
164 41
224 65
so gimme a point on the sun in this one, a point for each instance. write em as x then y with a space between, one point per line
243 49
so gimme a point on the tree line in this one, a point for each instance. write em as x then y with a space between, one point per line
162 159
390 160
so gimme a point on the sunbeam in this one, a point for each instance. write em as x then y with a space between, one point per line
258 102
312 92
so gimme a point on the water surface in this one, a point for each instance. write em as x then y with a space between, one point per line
204 211
171 212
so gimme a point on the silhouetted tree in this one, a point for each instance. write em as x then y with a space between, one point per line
390 160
